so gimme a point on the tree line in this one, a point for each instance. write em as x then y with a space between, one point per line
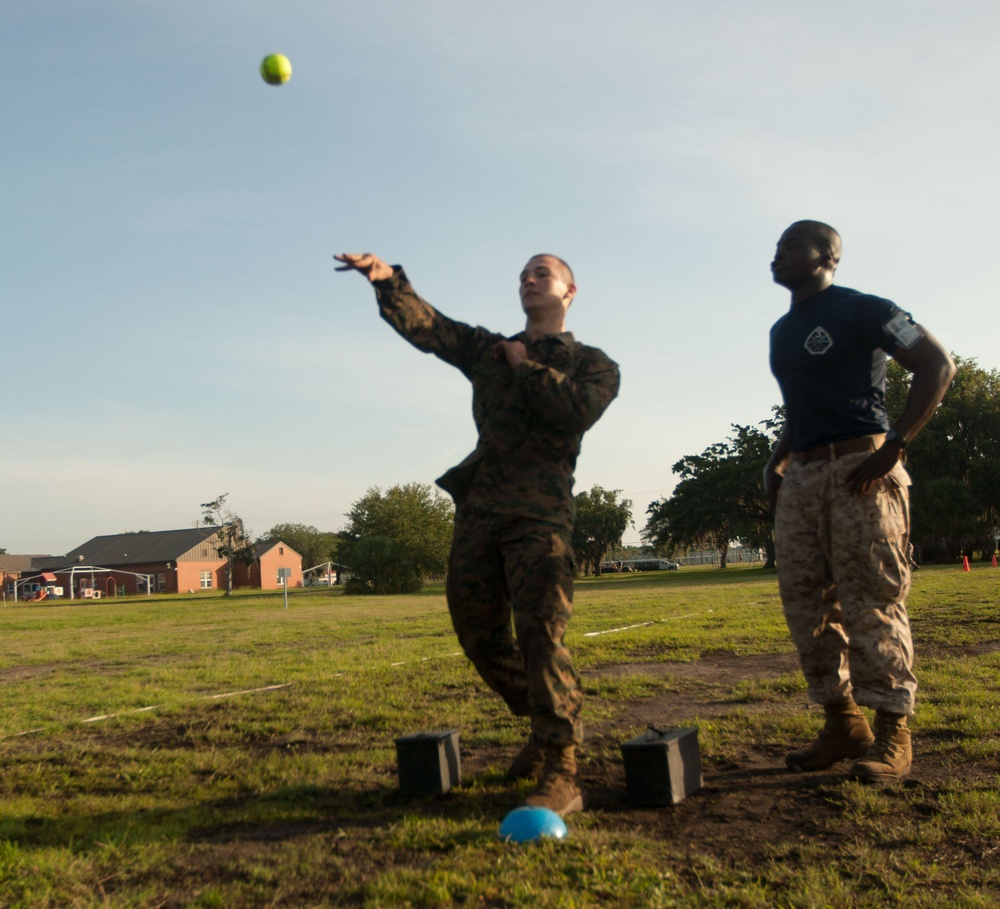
954 464
720 497
398 538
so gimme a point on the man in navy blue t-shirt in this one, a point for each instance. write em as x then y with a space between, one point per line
841 500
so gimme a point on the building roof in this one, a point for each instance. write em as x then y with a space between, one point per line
14 564
137 548
262 546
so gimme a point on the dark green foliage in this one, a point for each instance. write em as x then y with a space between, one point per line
955 464
414 516
720 497
601 520
381 566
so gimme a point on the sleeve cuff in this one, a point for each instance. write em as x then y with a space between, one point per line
396 282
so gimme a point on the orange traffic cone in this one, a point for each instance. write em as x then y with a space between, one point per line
965 563
994 560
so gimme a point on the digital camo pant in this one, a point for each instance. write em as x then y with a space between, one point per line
503 568
844 575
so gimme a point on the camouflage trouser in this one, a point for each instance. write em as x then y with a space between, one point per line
506 566
843 574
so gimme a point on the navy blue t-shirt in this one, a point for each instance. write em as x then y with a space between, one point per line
828 355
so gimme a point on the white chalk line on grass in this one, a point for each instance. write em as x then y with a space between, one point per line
230 694
594 634
213 697
443 656
673 618
111 716
586 634
207 697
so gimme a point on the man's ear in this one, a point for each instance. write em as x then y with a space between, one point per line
571 293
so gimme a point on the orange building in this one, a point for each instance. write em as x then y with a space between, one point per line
164 561
264 572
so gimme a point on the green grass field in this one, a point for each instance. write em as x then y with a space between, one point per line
198 751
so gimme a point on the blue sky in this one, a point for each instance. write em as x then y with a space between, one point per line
171 324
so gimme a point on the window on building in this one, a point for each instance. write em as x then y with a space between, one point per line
281 550
206 580
161 582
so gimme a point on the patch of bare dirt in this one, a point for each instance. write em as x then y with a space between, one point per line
753 801
747 804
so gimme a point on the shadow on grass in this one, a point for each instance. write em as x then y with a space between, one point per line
285 814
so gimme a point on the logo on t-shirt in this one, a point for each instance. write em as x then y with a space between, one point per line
819 341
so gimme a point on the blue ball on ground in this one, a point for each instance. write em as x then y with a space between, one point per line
527 823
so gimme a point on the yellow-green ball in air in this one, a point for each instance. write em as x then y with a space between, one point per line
275 69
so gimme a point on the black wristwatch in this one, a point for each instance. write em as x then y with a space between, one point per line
897 437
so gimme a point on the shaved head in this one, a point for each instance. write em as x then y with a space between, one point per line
567 271
826 239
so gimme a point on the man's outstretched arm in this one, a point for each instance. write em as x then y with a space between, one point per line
413 318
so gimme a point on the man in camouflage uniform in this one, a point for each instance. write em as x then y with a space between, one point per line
841 499
533 397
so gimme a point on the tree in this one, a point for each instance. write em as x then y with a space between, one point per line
315 546
232 541
955 464
601 520
752 447
381 566
414 516
720 497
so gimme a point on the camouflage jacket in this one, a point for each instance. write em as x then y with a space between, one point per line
530 419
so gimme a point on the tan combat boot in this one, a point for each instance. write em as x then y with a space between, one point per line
846 734
528 763
890 758
557 789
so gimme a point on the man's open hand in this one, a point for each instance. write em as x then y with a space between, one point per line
372 267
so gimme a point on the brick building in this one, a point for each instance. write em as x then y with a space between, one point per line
163 561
